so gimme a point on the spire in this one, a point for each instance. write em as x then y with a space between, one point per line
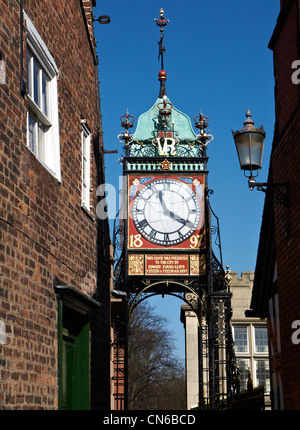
162 75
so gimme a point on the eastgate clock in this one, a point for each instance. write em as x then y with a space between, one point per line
166 211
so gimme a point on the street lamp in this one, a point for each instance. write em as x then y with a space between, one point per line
249 142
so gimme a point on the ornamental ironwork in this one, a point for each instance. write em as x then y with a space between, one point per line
169 242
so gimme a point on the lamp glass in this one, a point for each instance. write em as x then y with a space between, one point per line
250 146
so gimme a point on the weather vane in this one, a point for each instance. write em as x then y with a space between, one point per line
161 22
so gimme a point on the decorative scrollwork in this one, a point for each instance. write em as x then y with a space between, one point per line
118 254
145 150
182 151
214 230
191 299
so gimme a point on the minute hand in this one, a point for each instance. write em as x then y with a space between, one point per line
172 214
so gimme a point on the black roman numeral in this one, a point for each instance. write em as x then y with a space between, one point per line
166 186
152 234
166 238
180 235
143 223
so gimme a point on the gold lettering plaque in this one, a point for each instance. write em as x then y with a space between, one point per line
166 265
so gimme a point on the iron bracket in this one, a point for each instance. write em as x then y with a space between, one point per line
280 191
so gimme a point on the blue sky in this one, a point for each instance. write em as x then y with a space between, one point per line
217 60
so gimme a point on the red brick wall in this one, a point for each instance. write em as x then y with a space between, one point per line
285 163
285 53
44 231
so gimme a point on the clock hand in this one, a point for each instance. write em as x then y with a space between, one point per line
181 220
165 209
171 214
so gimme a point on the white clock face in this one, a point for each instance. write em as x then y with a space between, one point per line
166 212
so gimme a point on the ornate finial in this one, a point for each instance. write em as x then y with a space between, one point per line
127 123
161 21
201 122
248 116
228 277
162 76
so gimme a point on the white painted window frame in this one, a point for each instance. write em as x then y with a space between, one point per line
86 166
50 122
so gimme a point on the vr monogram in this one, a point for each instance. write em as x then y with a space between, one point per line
165 146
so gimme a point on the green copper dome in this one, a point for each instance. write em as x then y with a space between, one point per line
161 124
148 124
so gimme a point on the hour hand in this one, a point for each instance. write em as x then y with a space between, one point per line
172 214
181 220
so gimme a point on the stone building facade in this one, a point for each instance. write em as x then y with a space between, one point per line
250 342
54 251
250 336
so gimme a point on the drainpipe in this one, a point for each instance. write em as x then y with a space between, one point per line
22 82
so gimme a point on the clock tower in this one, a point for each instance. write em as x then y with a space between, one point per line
165 222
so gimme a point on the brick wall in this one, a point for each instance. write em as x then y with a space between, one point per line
285 53
45 234
285 167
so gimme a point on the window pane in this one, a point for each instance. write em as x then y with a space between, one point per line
31 132
36 91
241 339
44 94
263 374
244 372
41 143
261 340
36 136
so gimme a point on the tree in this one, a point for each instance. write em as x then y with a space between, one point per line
155 375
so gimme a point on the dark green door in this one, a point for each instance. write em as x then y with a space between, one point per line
74 360
68 373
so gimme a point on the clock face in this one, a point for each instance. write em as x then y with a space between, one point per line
166 212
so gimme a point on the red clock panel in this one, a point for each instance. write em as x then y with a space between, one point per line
166 212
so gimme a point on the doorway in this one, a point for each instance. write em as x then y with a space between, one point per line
74 362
